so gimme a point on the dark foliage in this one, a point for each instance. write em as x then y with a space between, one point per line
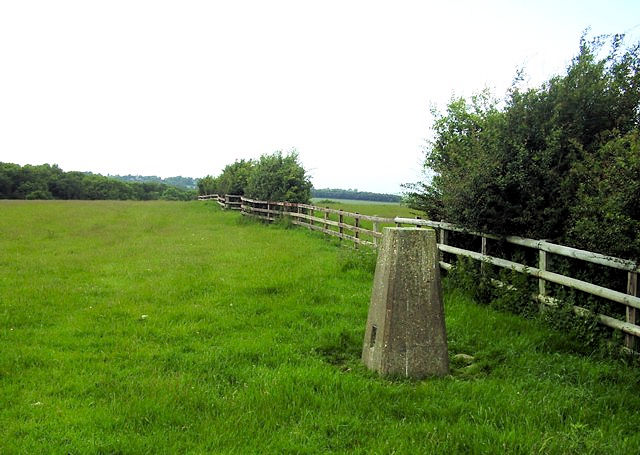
234 177
208 185
334 193
279 177
50 182
274 177
187 183
560 161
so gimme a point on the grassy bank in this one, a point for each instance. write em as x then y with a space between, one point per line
132 327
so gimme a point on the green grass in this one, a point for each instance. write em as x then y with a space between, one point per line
323 201
381 209
133 327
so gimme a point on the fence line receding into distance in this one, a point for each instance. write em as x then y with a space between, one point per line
367 230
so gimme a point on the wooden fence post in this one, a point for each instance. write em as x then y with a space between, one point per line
357 232
341 220
632 313
326 217
310 212
542 265
483 250
375 229
444 240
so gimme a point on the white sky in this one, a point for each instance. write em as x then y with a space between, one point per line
184 87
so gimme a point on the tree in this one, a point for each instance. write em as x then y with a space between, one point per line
50 182
207 185
9 180
541 166
234 177
337 193
279 177
606 215
172 193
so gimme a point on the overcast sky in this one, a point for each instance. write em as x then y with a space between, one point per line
184 87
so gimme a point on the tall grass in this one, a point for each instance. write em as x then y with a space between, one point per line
132 327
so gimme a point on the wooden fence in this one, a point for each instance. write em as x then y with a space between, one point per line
629 299
367 230
228 201
355 227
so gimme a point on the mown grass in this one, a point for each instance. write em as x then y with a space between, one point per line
132 327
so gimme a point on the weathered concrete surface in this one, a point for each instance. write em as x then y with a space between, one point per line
405 334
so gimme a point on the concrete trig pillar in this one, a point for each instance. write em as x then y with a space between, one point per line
405 334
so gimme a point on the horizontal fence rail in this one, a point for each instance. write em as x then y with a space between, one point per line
588 256
367 230
630 299
331 222
228 201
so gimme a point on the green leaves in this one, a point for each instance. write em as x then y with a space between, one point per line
606 212
555 162
234 177
50 182
278 177
274 177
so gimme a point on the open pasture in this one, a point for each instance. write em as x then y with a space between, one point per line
383 209
388 210
174 327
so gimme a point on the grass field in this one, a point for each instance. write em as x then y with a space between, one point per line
322 200
383 209
160 327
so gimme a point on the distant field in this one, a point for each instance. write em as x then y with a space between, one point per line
174 327
315 200
384 209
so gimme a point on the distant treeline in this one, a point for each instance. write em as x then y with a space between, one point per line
50 182
334 193
188 183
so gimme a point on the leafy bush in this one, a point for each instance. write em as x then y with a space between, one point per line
274 177
207 185
279 177
559 161
174 193
607 212
39 194
234 177
475 280
515 294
